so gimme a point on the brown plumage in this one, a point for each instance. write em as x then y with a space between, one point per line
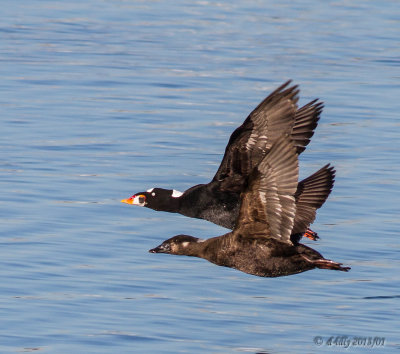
261 243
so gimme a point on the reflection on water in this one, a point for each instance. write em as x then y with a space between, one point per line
101 100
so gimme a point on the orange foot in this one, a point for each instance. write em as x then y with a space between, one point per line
311 235
323 263
328 264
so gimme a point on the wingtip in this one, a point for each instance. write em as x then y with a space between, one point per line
287 90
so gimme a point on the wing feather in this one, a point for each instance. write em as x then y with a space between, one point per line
249 143
311 193
306 120
269 198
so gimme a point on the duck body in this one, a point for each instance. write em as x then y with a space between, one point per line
208 202
257 255
260 256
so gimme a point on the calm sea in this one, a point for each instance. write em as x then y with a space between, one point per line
101 99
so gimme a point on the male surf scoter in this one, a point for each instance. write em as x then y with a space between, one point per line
260 243
219 200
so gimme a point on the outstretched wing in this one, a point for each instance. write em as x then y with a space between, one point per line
275 115
305 122
310 195
247 145
268 205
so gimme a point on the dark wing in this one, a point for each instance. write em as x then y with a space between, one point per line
305 122
248 144
310 195
275 115
268 203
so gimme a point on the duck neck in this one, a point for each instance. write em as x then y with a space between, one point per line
171 205
194 249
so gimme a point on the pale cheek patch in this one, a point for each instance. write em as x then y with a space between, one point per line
174 248
176 194
136 202
185 244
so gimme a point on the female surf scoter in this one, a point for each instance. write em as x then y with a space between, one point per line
219 200
260 244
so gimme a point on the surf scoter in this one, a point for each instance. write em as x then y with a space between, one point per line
260 243
219 200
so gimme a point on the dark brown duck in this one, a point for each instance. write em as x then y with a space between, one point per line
219 200
260 244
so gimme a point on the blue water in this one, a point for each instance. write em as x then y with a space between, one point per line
101 99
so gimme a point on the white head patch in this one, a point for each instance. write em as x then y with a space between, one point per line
150 190
176 194
139 200
186 243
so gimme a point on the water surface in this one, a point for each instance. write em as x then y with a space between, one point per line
103 99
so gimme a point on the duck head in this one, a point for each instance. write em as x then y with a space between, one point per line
179 245
156 199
